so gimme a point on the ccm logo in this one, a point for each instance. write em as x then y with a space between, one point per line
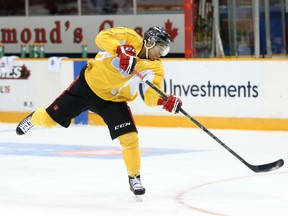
130 49
122 125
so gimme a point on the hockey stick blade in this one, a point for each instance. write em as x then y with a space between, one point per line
267 167
256 168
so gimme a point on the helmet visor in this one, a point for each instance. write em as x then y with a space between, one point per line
163 49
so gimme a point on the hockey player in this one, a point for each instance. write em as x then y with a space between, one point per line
107 83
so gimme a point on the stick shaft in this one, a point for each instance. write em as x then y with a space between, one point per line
164 96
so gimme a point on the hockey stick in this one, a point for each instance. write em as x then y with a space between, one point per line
256 168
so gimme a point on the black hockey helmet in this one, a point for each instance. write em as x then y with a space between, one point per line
157 34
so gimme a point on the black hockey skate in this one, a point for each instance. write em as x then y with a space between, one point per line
25 125
136 187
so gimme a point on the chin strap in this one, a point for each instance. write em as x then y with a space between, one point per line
147 48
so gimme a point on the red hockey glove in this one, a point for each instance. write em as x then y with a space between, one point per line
172 104
127 56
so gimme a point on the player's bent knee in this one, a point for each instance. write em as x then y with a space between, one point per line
129 140
41 118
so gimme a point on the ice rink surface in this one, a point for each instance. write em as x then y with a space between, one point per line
79 171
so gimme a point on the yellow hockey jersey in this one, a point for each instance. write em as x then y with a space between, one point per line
108 81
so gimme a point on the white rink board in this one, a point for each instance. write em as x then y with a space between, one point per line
39 89
224 88
269 99
265 98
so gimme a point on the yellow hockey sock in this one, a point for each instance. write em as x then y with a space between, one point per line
41 118
131 153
